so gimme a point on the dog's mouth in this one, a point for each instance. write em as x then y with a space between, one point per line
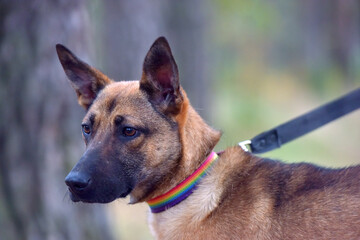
73 196
105 197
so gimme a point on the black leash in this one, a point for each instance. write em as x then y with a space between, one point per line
303 124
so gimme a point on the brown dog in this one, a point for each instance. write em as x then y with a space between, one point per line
145 140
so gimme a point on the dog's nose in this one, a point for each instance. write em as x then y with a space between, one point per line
77 181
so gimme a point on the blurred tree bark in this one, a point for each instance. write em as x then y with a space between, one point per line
40 137
39 125
332 35
186 24
345 36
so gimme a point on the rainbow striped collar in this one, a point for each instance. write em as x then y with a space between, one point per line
183 190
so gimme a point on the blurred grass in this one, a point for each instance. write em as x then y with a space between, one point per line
244 108
243 117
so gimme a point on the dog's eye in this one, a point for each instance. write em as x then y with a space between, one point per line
129 132
86 129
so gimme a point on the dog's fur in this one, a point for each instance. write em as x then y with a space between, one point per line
143 138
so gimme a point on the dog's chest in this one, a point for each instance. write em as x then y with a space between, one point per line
186 218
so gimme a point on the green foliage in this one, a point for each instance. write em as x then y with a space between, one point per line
274 64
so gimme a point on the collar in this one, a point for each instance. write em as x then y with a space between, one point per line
183 190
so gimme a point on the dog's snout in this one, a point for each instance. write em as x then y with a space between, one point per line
77 181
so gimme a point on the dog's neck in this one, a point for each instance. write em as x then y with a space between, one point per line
198 140
184 189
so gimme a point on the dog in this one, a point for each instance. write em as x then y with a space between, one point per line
144 139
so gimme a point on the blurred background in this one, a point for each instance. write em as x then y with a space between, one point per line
247 65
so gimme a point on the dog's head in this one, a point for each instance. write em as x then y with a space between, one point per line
131 130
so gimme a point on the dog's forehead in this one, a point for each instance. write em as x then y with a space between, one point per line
123 89
120 98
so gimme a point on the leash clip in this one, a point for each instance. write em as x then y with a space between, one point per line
244 145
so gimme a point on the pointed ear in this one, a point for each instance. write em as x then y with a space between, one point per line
86 80
160 78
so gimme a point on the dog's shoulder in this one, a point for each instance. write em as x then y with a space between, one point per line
242 174
259 194
257 198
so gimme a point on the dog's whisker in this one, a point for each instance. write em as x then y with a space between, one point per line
66 197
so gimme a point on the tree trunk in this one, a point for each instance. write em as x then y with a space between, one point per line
39 125
332 35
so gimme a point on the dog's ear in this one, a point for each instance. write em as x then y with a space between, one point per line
160 78
86 80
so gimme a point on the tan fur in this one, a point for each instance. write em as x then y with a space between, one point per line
204 140
241 197
222 208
